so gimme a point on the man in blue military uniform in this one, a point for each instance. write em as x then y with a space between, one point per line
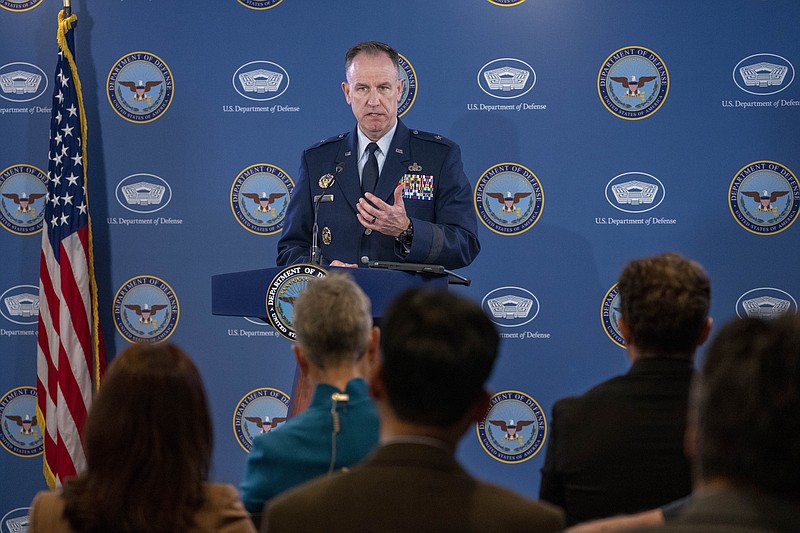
387 193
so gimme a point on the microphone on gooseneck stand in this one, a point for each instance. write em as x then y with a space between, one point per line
315 253
315 257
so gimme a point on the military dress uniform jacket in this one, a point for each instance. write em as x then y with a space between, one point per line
437 197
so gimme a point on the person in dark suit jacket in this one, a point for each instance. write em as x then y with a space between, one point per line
419 208
618 448
438 351
744 431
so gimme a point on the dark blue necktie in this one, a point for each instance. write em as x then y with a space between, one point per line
369 175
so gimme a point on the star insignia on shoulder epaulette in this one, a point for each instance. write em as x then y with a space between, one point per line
330 139
438 137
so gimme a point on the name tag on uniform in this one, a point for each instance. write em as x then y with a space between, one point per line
417 187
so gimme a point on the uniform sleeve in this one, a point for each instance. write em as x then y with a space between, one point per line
295 243
451 239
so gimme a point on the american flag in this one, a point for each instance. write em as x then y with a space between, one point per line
70 355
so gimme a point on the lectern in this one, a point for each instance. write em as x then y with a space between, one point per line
268 293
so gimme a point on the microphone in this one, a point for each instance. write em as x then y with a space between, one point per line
315 255
337 399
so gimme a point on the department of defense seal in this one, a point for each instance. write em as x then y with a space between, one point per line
633 83
284 288
22 82
506 3
140 87
260 80
764 197
635 192
510 307
20 431
20 305
23 195
143 193
259 411
19 5
146 309
509 199
409 86
260 4
765 303
609 316
16 520
506 78
259 198
763 74
514 429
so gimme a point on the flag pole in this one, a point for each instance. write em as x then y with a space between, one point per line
68 325
67 8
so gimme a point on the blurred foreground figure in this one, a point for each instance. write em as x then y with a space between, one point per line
438 351
618 448
148 443
744 432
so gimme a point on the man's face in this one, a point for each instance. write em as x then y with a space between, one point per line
373 90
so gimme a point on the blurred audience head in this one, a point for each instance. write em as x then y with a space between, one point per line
438 351
148 441
332 319
664 304
747 401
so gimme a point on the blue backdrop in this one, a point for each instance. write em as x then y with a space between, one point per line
527 88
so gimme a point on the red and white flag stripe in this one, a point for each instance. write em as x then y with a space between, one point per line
70 354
